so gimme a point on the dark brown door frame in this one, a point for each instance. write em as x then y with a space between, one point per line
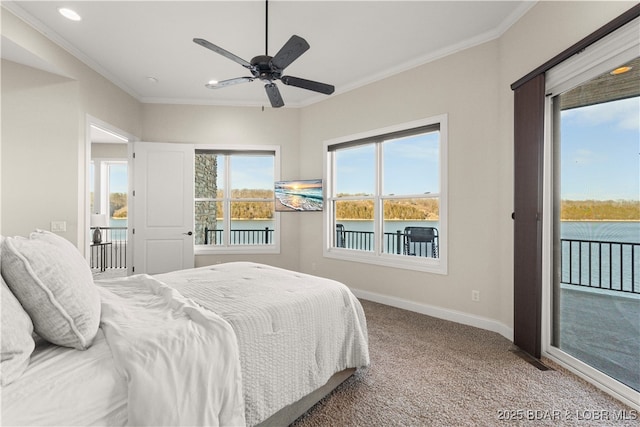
528 161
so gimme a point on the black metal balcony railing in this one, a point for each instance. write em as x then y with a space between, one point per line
239 237
113 254
600 264
594 264
394 243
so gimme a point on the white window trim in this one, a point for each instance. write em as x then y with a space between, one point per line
618 47
245 249
430 265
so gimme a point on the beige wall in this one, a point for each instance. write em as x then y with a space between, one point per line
44 133
43 119
463 86
40 137
207 125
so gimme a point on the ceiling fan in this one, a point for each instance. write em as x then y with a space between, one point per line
268 69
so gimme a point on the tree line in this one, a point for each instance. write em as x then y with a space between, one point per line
118 205
600 210
414 209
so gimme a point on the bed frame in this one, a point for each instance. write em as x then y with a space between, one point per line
290 413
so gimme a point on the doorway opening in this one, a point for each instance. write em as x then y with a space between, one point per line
107 211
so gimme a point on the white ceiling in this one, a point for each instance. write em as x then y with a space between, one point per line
353 43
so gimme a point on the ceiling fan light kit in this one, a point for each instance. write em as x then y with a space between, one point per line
268 69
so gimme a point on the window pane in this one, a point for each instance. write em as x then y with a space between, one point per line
354 224
252 223
355 170
252 176
596 230
411 164
411 227
209 173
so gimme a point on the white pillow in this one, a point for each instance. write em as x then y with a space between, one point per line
17 342
53 282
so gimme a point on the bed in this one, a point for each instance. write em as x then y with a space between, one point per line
230 344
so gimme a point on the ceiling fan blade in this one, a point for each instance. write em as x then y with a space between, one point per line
221 51
230 82
308 84
274 95
291 51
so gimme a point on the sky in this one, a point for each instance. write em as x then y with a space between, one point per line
118 182
600 151
255 172
410 167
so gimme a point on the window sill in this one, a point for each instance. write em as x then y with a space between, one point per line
427 265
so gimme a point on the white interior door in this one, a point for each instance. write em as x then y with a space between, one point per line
163 206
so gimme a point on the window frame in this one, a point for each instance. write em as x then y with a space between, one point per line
249 249
378 257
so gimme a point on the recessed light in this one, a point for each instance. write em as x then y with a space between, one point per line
621 70
70 14
212 82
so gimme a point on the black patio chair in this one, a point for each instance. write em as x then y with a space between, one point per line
417 239
340 238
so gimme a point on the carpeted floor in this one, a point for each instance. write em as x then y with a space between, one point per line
430 372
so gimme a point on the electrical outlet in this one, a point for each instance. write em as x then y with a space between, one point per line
475 296
58 226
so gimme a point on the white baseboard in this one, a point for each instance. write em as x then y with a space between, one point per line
440 313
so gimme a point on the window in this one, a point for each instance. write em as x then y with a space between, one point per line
108 185
117 183
386 198
234 201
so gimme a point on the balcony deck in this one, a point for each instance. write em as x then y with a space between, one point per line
602 328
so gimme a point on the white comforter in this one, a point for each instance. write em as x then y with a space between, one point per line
294 330
180 361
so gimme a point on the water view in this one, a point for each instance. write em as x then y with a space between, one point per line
609 231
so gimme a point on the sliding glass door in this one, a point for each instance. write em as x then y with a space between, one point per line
595 223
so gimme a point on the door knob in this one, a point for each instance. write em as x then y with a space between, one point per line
188 234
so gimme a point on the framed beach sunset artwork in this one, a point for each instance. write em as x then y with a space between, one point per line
299 196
